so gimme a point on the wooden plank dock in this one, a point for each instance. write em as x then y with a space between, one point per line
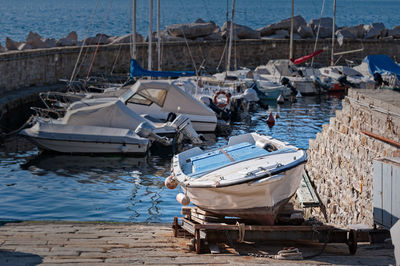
74 243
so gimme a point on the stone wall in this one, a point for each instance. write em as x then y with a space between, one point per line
20 69
341 156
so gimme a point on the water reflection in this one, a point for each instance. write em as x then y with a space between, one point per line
37 185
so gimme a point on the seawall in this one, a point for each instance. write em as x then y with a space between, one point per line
341 157
21 69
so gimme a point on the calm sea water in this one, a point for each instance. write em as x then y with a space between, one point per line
56 18
36 186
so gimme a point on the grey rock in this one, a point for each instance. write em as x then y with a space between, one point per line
215 36
395 32
324 32
374 30
279 34
354 32
305 32
33 40
282 25
165 37
65 42
326 22
49 43
25 46
70 40
296 36
192 30
125 39
73 36
98 39
11 44
240 31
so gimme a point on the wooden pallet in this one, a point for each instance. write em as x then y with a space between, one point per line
287 216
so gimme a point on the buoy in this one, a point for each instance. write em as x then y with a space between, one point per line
280 99
182 199
271 120
170 183
298 95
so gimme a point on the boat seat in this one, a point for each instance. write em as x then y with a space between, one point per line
217 158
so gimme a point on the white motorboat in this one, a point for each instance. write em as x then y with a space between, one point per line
275 70
109 127
251 177
342 77
158 101
80 139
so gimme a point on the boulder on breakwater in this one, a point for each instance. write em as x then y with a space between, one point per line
201 30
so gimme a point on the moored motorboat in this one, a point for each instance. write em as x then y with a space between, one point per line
251 177
109 127
80 139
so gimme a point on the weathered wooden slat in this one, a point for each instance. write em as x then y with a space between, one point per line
306 194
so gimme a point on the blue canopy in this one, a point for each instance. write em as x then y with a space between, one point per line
382 64
138 71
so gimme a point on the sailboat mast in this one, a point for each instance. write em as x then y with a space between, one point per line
133 30
333 32
291 33
228 64
149 52
158 37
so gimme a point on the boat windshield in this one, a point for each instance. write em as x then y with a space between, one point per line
149 96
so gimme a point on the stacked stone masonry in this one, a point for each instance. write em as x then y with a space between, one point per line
341 156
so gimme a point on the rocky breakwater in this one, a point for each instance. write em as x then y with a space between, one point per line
201 30
35 41
341 156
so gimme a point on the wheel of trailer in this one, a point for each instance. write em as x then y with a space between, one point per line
197 243
352 241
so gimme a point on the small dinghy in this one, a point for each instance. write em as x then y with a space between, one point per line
251 177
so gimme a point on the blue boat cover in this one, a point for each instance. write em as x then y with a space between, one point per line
138 71
221 157
382 64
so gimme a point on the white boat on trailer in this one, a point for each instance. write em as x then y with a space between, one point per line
251 177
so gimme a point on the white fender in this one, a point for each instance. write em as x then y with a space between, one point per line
170 183
182 199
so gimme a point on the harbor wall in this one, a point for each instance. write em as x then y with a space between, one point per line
21 69
341 157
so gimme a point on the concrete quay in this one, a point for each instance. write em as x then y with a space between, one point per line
76 243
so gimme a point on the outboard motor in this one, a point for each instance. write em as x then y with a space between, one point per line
344 82
319 84
286 82
183 125
236 106
378 80
261 95
145 130
220 113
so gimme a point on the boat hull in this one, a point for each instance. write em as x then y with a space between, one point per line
80 147
259 201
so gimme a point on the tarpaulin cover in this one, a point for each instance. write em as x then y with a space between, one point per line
382 64
138 71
